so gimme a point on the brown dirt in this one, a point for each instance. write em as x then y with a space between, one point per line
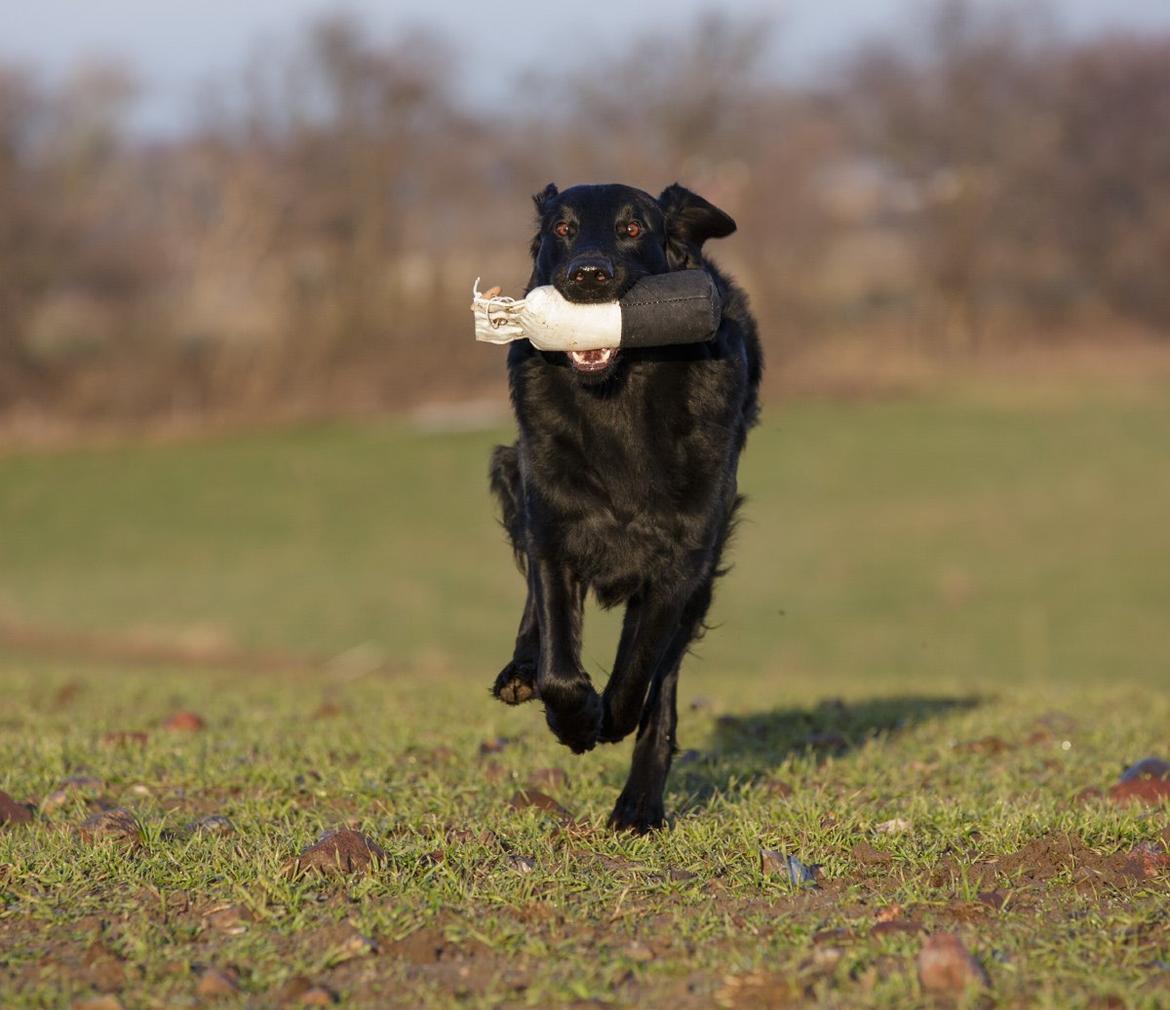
340 849
12 812
118 826
148 650
1148 791
1054 855
214 983
945 965
184 722
865 854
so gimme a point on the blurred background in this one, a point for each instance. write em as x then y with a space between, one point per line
954 225
209 211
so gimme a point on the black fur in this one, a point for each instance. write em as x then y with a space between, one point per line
623 482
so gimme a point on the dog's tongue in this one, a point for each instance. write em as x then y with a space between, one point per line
592 361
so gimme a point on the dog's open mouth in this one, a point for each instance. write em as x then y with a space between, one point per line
590 362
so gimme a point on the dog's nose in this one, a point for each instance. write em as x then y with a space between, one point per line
594 272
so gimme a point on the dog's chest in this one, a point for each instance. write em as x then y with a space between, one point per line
627 482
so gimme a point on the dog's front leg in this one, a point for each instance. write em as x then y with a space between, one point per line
516 682
571 705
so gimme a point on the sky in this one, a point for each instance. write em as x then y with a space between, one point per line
174 47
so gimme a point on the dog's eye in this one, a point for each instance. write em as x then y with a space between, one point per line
632 229
561 229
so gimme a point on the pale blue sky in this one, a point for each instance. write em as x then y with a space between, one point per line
176 45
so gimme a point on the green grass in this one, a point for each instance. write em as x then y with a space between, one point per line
912 577
949 541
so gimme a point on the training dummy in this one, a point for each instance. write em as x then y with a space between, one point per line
681 307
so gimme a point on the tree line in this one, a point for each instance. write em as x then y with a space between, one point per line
976 182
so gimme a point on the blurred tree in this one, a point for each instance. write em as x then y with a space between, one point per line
310 244
1107 184
953 114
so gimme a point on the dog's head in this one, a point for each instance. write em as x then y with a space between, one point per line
594 242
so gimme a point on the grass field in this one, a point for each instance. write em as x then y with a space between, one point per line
947 619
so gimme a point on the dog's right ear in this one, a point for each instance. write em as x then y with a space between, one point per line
690 221
542 198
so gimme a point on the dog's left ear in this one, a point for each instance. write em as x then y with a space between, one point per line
690 221
543 198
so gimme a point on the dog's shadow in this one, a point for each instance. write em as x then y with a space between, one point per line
744 749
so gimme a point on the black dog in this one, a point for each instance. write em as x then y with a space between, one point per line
623 479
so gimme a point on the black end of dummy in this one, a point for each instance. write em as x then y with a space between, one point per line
681 307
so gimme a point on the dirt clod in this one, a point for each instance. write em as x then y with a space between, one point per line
12 812
300 991
1146 790
867 855
292 990
895 926
104 969
772 861
118 826
318 995
340 849
106 1002
216 982
184 721
1146 781
231 920
945 965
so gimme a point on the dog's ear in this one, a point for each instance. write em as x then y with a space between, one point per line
542 201
542 198
690 221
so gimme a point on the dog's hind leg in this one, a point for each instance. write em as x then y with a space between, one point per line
516 683
640 806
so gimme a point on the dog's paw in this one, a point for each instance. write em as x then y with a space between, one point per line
615 727
516 684
574 716
637 812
